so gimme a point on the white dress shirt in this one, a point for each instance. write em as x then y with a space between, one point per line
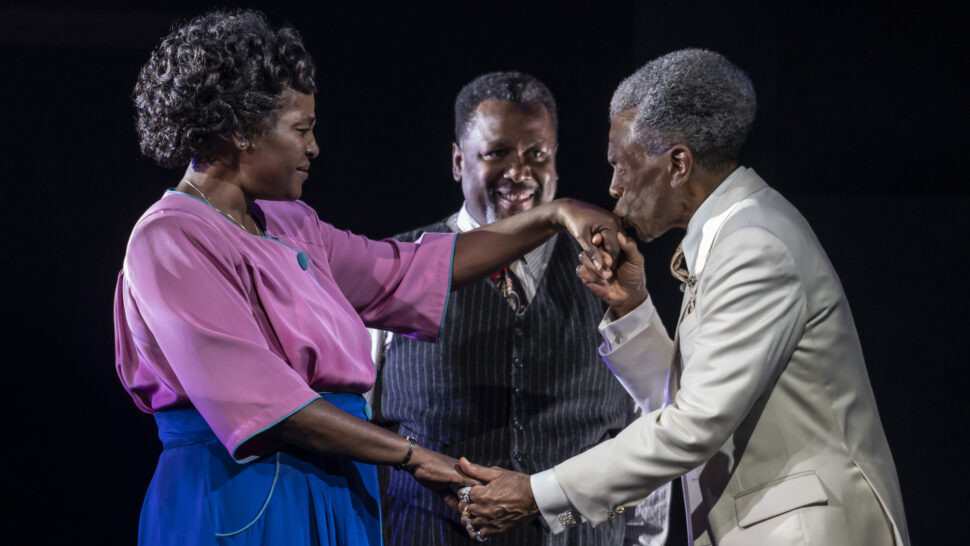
528 269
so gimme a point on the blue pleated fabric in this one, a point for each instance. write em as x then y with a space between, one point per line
200 495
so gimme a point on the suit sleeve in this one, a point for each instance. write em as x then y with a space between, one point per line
751 313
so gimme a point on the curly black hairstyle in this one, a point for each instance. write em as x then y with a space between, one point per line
508 86
216 76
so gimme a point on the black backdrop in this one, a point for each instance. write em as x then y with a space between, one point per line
861 124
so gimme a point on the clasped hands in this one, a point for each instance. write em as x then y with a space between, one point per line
503 500
491 500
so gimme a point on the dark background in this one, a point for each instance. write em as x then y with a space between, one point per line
861 124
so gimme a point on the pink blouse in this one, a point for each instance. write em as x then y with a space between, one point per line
248 329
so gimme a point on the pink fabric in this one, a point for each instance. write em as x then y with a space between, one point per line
209 316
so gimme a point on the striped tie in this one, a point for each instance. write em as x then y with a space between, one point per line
508 285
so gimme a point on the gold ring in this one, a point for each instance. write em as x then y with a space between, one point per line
465 514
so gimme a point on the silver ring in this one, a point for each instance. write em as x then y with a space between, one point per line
469 526
479 537
463 494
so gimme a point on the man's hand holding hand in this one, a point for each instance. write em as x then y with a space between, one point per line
504 502
592 227
624 287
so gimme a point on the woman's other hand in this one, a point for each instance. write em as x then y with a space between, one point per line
439 473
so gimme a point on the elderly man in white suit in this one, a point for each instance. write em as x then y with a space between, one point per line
761 402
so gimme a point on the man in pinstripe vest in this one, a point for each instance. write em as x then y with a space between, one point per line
515 379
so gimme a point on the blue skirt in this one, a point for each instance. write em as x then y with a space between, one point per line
200 495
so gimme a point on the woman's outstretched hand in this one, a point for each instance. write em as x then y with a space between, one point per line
624 287
593 228
487 249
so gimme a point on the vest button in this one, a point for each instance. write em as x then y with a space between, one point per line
517 361
519 331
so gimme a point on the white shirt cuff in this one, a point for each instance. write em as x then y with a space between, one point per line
551 500
616 331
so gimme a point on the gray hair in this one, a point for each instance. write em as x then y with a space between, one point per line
692 97
506 86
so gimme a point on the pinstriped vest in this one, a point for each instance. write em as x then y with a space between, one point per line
523 393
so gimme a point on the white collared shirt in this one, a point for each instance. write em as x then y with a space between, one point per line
528 269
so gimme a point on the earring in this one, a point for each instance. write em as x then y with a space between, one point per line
243 144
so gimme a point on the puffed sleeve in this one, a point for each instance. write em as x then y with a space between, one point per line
393 285
186 288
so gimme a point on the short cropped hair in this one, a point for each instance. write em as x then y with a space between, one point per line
507 86
692 97
219 75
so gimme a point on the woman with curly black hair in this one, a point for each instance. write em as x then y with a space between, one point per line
240 316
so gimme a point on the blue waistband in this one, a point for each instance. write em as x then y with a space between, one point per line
183 426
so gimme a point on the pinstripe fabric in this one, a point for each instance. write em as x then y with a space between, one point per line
523 393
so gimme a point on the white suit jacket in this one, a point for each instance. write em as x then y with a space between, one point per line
771 416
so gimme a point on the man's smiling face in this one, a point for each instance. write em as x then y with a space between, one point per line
506 160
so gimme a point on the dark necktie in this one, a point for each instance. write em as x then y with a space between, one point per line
508 285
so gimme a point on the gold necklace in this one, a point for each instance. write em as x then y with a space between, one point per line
220 211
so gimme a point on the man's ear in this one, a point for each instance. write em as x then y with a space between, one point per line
681 165
456 159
